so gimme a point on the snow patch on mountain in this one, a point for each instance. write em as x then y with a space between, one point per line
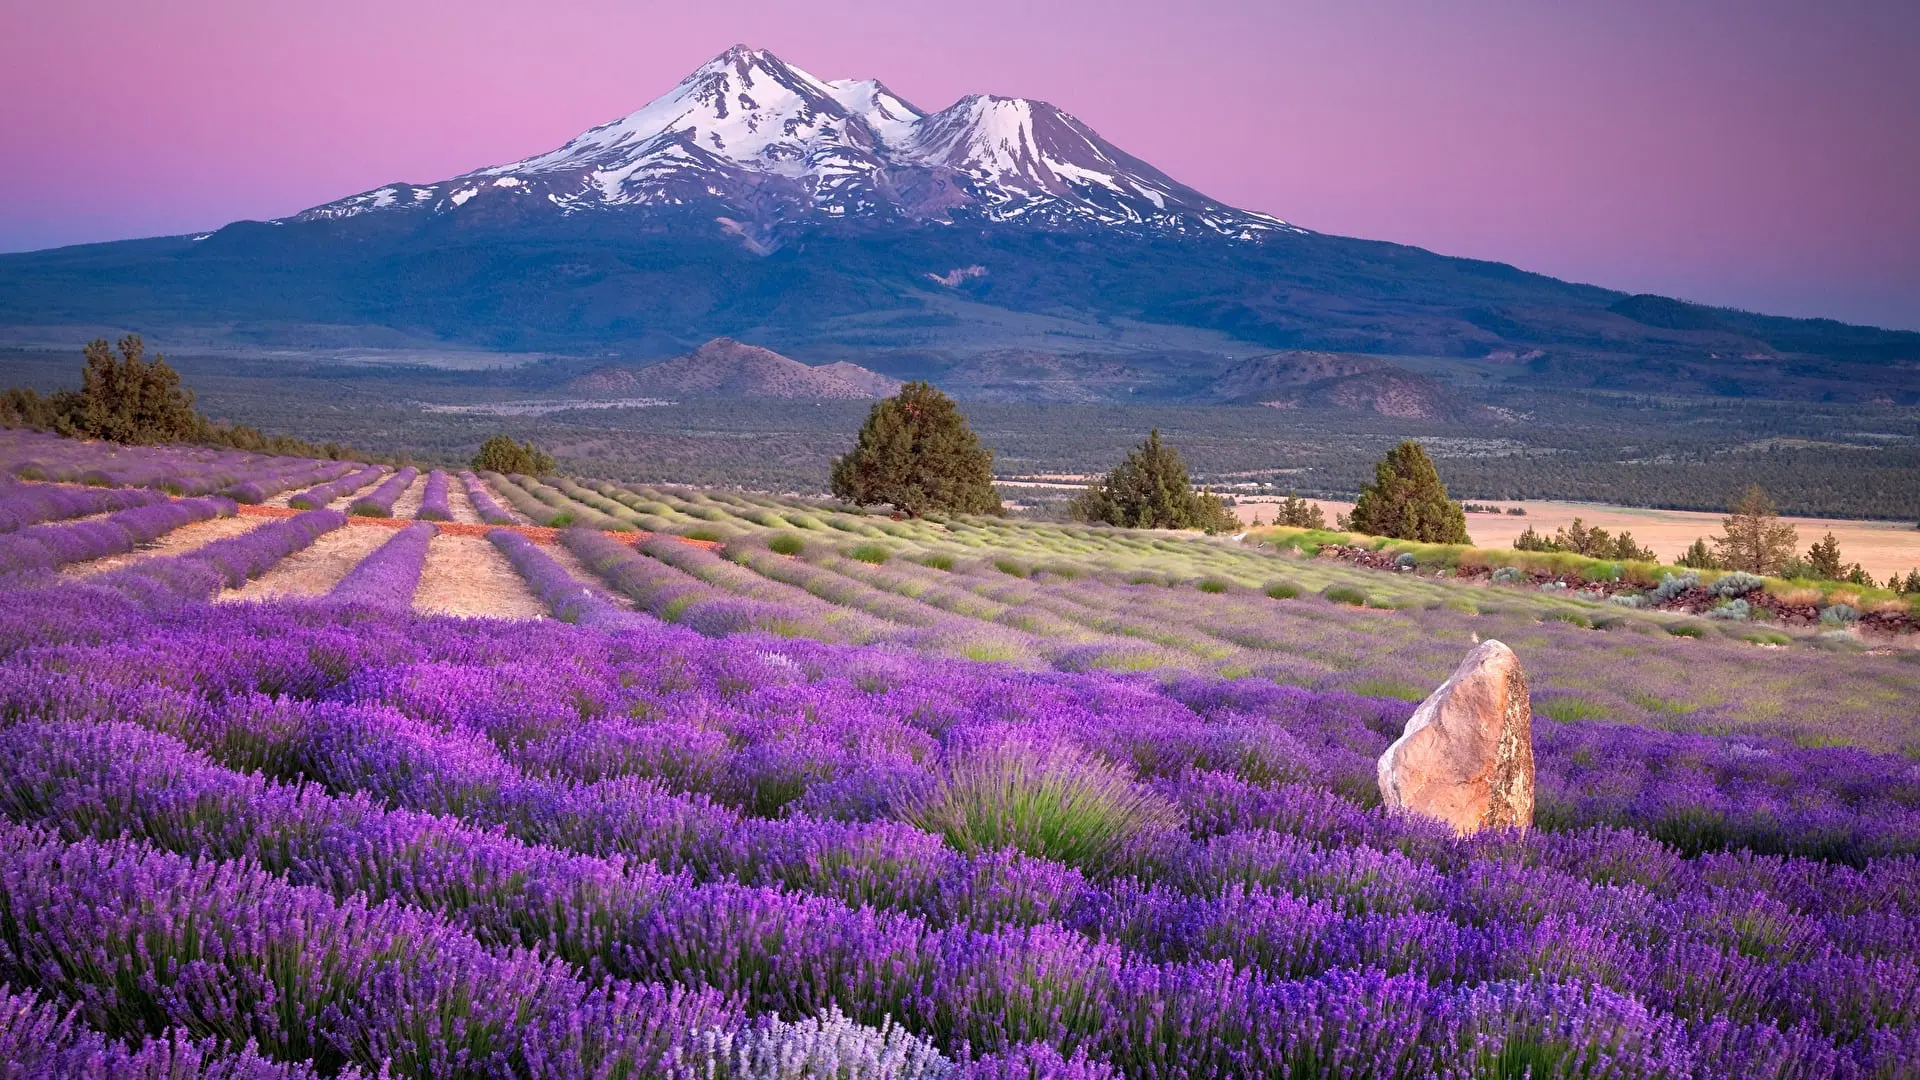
766 143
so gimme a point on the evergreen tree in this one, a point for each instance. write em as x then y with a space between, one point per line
1912 584
1299 513
128 398
1698 557
1150 490
1407 501
917 454
1753 537
502 455
1823 560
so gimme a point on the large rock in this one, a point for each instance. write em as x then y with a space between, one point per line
1466 756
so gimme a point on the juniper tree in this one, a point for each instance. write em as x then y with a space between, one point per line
916 453
1407 501
502 455
1150 489
1753 537
128 398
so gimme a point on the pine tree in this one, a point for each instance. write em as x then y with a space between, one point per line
129 399
1407 501
1299 513
916 453
1698 557
502 455
1912 584
1753 537
1823 560
1151 490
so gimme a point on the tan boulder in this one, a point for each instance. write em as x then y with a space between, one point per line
1466 757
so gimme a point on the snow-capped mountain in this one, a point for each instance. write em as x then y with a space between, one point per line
761 143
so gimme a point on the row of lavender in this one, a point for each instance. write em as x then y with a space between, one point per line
719 832
238 475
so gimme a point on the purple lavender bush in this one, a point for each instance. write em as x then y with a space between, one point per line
389 576
379 502
433 501
483 504
44 547
307 835
319 496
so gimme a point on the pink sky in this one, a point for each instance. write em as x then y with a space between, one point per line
1753 153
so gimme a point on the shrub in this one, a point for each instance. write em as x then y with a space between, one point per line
1009 566
1053 802
1629 600
1283 590
502 455
1507 575
869 553
1839 615
1687 629
830 1045
1405 561
1737 584
1553 586
1151 490
786 544
1734 610
1211 585
1673 585
937 561
1698 557
1345 594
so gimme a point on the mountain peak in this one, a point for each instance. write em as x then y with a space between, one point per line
764 144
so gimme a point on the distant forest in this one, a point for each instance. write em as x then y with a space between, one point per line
1821 459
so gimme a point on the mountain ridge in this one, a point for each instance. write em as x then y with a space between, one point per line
764 142
725 368
998 239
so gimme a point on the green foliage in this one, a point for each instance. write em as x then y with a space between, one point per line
1578 538
869 553
130 399
502 455
1345 594
1823 561
1407 501
1052 802
786 544
1699 557
1212 585
1687 629
1283 590
1150 490
937 561
1299 513
916 453
1753 537
1911 585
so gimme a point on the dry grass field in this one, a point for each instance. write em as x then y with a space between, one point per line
1883 547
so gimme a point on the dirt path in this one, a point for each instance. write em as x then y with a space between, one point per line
458 502
186 538
316 570
467 575
1882 547
408 504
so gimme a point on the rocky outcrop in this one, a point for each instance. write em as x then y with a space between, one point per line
1466 757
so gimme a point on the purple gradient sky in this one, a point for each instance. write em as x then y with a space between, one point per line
1745 152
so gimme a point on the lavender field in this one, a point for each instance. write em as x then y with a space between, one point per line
781 790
